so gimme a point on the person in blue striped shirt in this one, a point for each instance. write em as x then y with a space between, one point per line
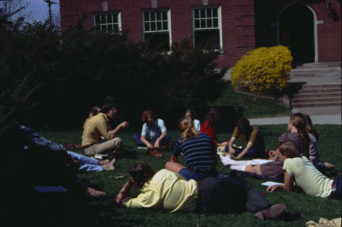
199 153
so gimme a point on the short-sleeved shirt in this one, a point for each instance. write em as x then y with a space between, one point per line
155 130
199 152
255 137
197 125
95 128
210 130
307 177
167 191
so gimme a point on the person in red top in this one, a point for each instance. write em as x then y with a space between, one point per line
208 126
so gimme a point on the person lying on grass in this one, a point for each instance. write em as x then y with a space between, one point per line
301 171
168 191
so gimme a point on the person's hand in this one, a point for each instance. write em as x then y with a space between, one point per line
149 146
231 151
124 124
156 144
118 199
271 188
239 156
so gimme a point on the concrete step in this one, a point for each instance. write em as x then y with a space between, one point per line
316 99
316 72
318 91
318 104
321 95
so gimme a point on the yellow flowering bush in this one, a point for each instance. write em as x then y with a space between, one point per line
263 70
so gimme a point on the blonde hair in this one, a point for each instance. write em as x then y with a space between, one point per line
187 129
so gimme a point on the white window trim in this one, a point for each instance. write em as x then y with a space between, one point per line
107 13
168 13
219 16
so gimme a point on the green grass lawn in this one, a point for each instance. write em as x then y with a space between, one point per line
106 213
253 106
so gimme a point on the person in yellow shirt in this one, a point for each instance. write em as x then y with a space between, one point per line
98 127
168 191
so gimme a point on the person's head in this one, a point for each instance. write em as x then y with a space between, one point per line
94 111
187 129
297 123
148 117
190 113
109 109
213 116
297 120
286 150
243 125
141 172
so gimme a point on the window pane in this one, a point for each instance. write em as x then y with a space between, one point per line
146 16
109 18
208 39
153 26
202 13
209 24
197 24
147 27
203 24
103 28
97 19
110 29
214 12
158 15
215 23
209 14
115 18
159 26
196 13
153 17
165 27
164 15
158 40
103 18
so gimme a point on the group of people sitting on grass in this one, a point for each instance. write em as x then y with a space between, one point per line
197 185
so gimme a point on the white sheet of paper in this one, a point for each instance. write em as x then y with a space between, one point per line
271 183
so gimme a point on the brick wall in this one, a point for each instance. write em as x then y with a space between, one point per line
237 20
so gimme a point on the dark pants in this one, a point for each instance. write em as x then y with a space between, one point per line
229 194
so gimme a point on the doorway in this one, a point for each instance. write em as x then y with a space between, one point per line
297 32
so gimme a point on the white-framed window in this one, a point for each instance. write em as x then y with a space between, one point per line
157 28
107 22
207 27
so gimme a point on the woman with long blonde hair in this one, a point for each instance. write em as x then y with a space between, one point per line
199 153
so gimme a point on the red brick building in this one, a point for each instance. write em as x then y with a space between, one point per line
312 29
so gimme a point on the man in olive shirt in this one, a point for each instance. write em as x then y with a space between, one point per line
98 127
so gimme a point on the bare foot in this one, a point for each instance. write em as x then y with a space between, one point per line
329 165
94 193
110 166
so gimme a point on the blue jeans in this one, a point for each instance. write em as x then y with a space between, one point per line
86 163
252 153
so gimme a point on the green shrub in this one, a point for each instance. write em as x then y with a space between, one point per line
264 70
